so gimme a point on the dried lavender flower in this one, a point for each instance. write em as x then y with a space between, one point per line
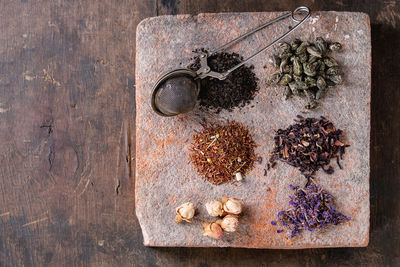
312 208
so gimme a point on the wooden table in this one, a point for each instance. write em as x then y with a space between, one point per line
67 136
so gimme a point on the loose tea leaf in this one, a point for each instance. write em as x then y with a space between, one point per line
306 70
235 91
312 208
308 145
219 152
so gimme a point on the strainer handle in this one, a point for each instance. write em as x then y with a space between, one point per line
291 14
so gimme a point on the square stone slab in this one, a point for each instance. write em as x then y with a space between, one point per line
164 176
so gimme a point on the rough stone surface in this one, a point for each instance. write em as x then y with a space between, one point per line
164 176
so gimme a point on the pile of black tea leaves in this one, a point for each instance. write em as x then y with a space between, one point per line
308 145
312 208
237 90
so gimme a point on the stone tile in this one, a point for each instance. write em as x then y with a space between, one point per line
165 178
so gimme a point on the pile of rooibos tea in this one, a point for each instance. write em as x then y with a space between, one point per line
236 90
222 152
308 145
312 208
306 69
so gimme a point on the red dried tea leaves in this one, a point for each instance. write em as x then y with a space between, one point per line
311 208
221 151
236 90
309 145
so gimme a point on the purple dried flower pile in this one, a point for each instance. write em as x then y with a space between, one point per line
312 208
309 145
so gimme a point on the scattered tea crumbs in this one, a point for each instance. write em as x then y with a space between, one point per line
312 208
219 152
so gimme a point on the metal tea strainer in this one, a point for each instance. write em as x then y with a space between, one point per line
176 91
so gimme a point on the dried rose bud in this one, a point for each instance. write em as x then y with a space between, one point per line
232 205
214 208
184 212
212 229
229 223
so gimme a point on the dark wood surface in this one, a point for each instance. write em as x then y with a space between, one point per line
67 137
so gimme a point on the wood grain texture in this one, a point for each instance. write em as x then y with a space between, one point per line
67 132
67 136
